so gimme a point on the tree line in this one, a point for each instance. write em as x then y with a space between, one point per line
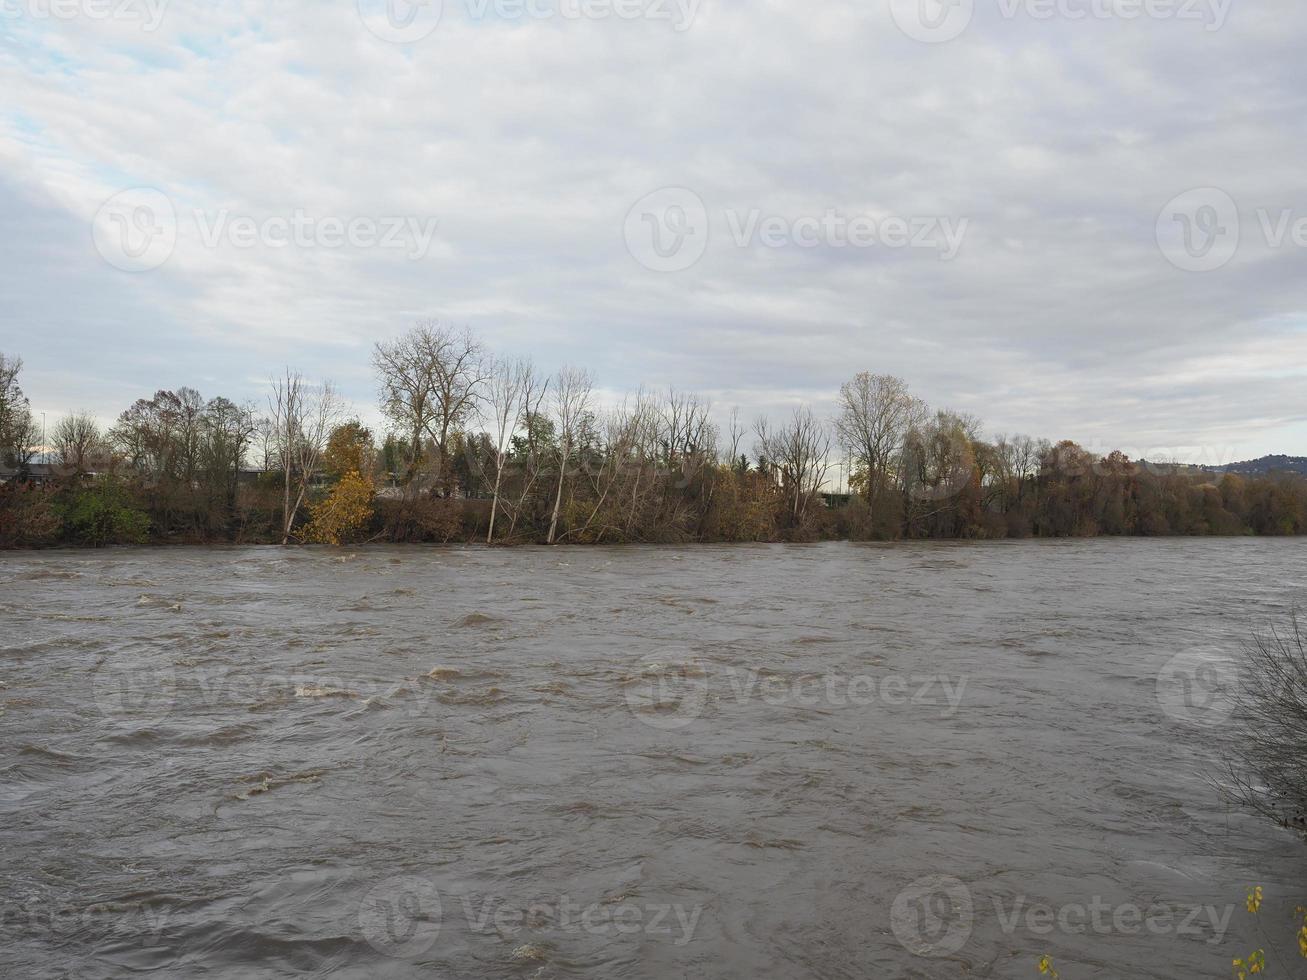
491 448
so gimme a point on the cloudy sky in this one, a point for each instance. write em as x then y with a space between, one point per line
1074 218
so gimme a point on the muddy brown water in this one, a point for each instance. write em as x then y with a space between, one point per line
749 761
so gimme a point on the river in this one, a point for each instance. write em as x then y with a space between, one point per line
785 761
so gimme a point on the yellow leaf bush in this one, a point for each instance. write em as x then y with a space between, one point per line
344 514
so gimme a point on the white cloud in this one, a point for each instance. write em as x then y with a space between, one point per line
530 140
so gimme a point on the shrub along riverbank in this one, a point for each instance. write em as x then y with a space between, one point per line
714 504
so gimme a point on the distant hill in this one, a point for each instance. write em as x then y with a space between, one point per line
1251 467
1267 464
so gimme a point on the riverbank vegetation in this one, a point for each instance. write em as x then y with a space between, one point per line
486 448
1268 758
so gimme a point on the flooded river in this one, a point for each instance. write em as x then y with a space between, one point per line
750 761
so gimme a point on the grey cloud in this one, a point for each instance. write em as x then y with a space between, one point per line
1059 141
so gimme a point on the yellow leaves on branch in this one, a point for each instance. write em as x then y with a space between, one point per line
1254 902
1256 964
349 449
345 512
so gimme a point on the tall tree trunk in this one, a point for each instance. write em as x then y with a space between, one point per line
285 507
558 497
494 505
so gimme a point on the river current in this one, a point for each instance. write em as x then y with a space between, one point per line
785 761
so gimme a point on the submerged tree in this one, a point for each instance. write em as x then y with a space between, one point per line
1268 764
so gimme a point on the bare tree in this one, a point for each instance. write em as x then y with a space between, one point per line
1025 462
800 451
265 443
190 407
146 434
509 382
1016 462
530 450
77 441
18 434
644 437
430 381
735 435
687 431
227 433
302 418
1267 760
939 457
571 401
876 413
629 433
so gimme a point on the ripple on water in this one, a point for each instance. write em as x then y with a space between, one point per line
323 734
